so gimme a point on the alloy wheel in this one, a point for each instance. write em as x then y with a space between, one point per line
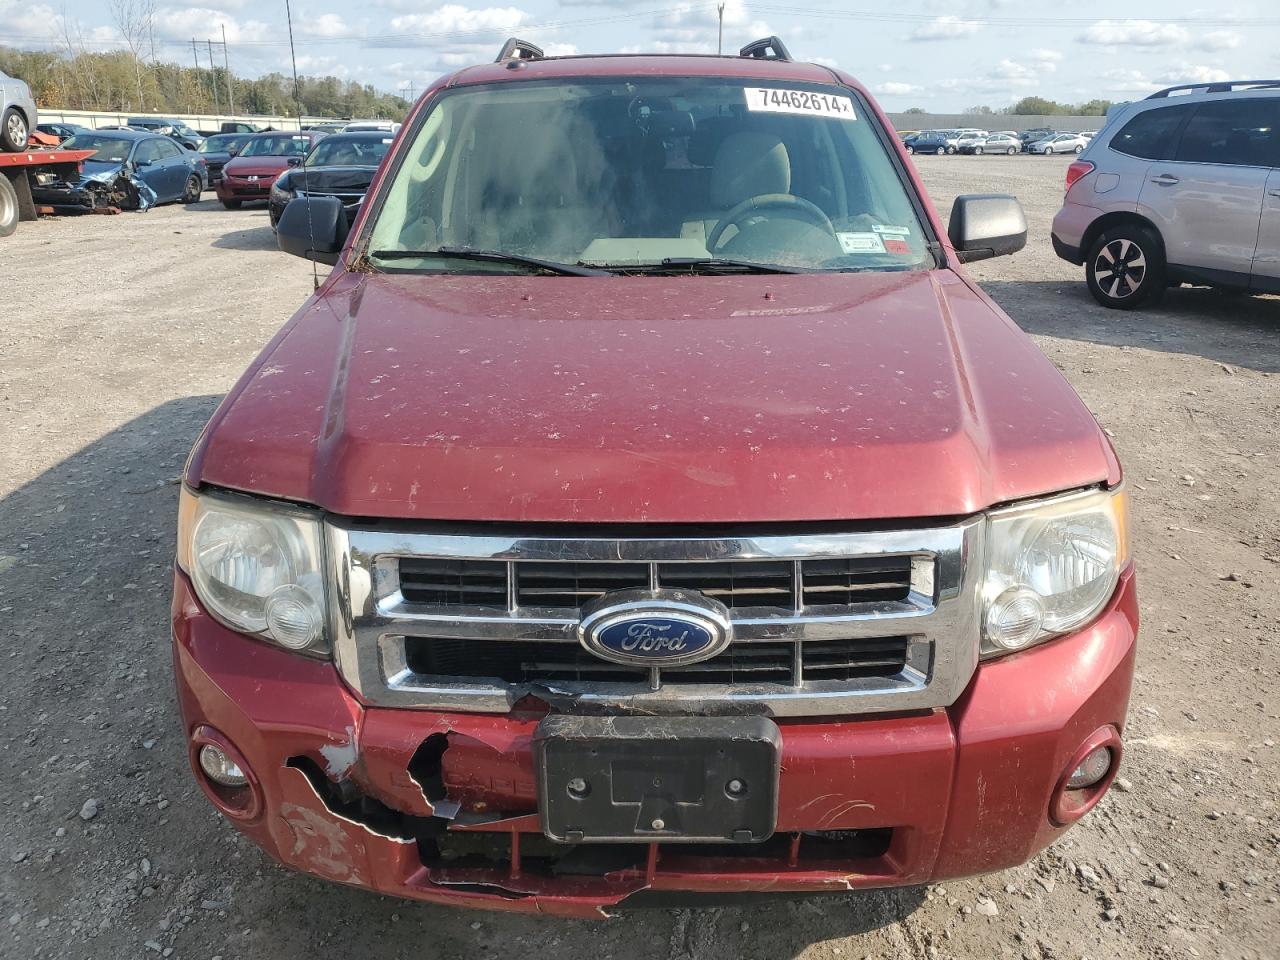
1120 268
16 129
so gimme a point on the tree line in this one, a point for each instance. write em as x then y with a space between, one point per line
1037 107
124 81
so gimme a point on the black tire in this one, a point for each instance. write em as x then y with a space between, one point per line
1048 151
951 150
1011 151
194 188
13 131
232 204
8 207
940 151
1125 268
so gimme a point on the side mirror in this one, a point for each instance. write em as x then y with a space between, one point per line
295 161
314 228
233 152
986 225
143 163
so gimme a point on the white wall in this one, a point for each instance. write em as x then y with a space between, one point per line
96 118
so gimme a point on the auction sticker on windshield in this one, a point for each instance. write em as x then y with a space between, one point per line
774 100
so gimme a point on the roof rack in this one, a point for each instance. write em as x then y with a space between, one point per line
516 49
770 48
1220 87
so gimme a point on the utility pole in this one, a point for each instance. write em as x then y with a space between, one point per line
720 36
195 56
226 67
214 75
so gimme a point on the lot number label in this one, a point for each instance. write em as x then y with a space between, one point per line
773 100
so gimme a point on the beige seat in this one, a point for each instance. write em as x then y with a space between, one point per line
747 164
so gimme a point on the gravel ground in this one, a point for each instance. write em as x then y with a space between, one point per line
121 334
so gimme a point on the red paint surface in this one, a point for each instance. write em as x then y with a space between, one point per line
965 790
40 158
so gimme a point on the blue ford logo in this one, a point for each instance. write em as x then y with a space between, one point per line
655 628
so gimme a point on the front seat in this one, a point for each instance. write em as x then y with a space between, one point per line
747 164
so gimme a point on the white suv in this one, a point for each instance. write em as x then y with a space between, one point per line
1178 189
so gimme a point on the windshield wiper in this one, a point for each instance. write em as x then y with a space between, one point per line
710 266
491 256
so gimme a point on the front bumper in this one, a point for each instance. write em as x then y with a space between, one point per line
228 188
343 790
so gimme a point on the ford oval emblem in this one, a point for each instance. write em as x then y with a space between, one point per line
655 628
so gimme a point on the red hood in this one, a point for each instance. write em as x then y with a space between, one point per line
256 166
833 397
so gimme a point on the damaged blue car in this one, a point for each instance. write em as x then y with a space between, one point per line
130 171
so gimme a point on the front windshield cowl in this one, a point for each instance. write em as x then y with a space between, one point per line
682 175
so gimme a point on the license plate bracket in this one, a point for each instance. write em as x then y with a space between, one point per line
646 779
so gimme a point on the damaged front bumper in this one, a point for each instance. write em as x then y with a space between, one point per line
116 190
443 807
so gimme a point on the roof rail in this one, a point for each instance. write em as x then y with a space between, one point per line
1220 87
770 48
516 49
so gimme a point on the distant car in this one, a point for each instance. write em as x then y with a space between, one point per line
176 129
1059 143
63 131
17 114
1035 135
905 135
386 126
249 175
336 126
170 172
218 151
934 141
1088 134
967 141
996 143
341 166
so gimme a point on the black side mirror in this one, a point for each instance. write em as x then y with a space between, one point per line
986 225
295 161
314 228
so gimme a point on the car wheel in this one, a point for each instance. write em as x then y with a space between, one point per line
940 151
977 151
1048 150
911 149
8 207
1011 151
1079 149
951 150
232 204
1125 267
13 131
194 188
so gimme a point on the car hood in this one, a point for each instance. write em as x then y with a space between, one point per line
256 166
628 399
330 179
100 170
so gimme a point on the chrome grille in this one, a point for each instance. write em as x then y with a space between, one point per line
846 622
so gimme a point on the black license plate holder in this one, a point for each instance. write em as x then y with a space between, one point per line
647 779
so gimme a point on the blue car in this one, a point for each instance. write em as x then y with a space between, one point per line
129 170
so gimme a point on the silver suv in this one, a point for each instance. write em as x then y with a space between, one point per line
1178 189
17 113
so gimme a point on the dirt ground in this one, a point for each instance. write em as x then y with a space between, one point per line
119 336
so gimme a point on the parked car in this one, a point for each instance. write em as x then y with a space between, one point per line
997 143
385 126
934 141
850 605
342 165
249 175
1178 189
234 126
969 139
176 129
219 149
1088 134
1059 143
121 161
63 131
336 126
18 116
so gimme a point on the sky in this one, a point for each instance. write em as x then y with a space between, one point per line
943 56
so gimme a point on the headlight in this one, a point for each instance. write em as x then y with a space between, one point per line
257 567
1051 567
280 194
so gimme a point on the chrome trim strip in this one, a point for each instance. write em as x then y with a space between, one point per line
371 618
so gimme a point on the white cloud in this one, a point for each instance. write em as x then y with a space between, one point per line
180 24
895 88
1219 40
1133 33
452 20
694 29
1197 73
1046 61
1009 70
944 28
1128 81
328 25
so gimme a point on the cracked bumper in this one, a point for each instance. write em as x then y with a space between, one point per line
953 792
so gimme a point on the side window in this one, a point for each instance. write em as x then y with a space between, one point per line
1241 132
1152 134
166 149
146 152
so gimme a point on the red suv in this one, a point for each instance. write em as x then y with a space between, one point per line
648 501
248 176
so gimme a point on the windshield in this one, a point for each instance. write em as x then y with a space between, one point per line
284 145
339 151
222 143
635 172
109 149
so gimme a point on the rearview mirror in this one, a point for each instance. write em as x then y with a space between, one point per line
985 225
314 228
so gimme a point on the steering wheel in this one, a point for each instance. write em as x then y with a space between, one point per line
783 202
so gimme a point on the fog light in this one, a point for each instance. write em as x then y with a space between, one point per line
220 768
1091 769
1014 618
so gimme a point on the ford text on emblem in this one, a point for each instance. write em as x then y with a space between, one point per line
655 628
